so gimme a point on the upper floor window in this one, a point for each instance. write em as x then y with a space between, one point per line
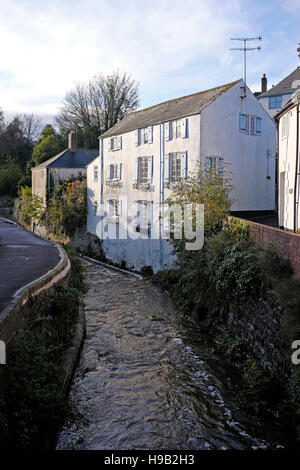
143 170
178 126
144 136
114 171
176 129
115 143
176 167
275 102
95 173
250 124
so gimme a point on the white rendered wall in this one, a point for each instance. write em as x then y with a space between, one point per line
287 168
246 155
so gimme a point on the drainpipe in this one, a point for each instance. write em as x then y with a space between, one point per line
161 183
296 172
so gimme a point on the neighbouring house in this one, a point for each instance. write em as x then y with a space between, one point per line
70 163
288 166
277 96
143 156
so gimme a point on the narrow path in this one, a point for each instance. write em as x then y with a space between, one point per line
144 380
24 257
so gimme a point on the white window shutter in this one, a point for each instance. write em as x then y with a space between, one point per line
137 137
167 131
183 167
120 171
120 207
167 167
207 164
150 134
110 144
221 166
108 172
150 169
120 142
136 174
183 128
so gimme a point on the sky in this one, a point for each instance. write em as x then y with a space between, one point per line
171 47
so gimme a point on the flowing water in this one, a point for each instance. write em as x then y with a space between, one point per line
146 381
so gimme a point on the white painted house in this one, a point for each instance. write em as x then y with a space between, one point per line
288 166
143 155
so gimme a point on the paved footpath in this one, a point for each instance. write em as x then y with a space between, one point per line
24 257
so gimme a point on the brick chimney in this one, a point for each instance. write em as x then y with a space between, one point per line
72 141
264 83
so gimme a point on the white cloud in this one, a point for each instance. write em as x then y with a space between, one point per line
50 45
172 47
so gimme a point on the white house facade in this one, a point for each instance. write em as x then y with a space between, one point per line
288 144
144 155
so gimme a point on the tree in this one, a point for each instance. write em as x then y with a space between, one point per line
49 145
94 107
10 175
31 127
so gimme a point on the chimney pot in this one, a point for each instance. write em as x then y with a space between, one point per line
72 141
264 83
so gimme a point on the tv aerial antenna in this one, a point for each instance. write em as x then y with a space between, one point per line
246 49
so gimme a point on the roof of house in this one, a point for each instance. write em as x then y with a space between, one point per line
285 86
80 158
168 110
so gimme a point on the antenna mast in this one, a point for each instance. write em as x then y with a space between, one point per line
245 49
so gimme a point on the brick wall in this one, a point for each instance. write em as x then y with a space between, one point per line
287 242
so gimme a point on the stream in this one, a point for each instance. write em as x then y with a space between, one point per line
145 379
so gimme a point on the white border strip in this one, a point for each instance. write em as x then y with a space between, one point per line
109 266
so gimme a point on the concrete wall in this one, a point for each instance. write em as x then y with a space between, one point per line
246 155
287 169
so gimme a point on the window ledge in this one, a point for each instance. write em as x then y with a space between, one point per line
143 186
174 185
114 183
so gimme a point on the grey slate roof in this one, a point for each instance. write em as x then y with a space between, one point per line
168 110
285 86
67 159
